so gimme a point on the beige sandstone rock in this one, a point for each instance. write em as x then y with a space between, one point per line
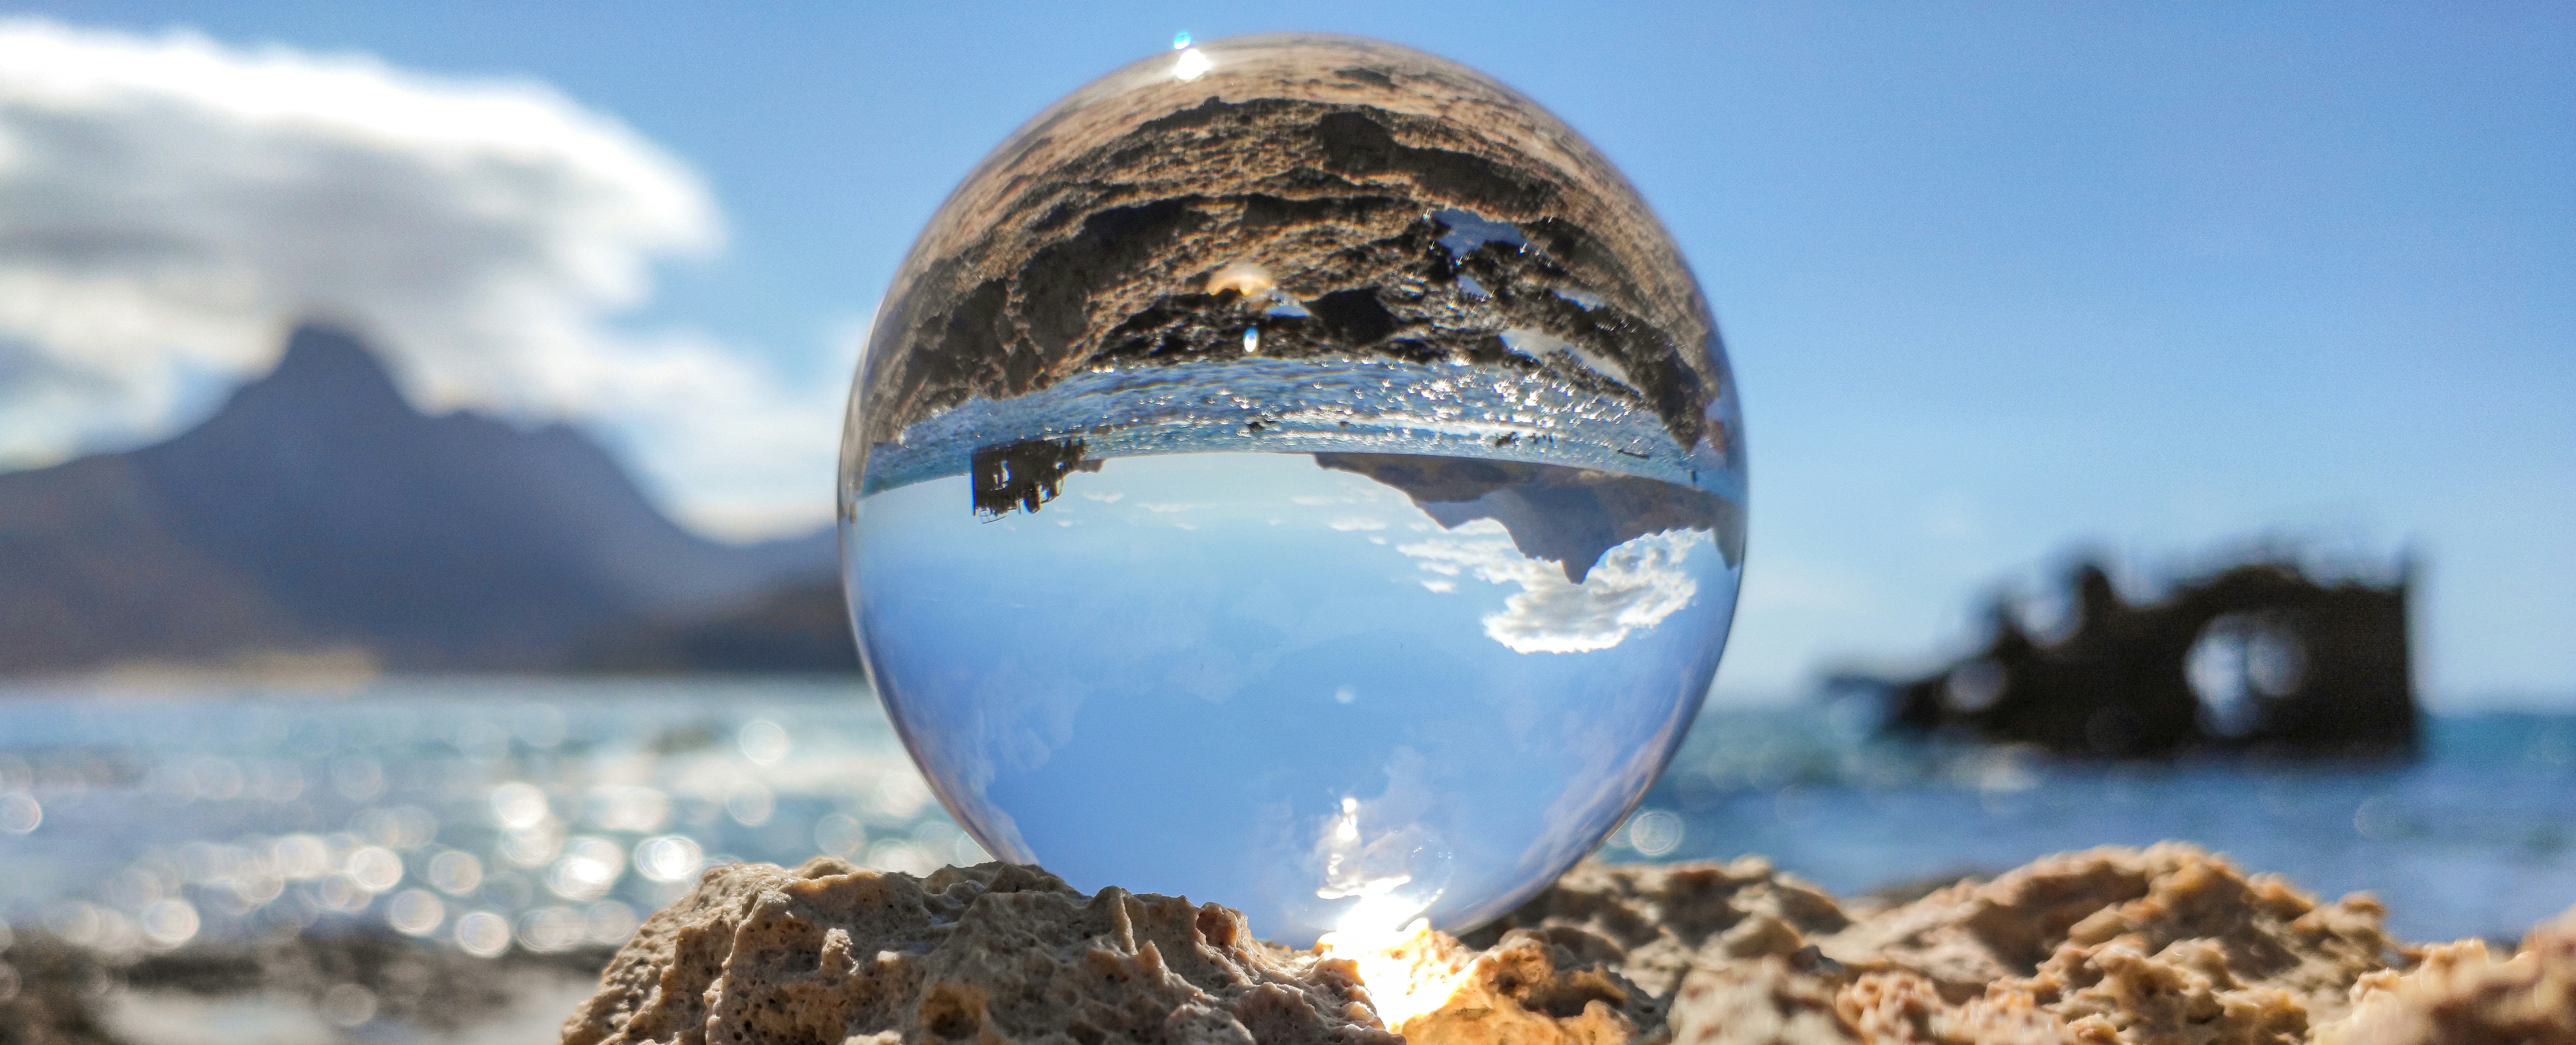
2169 945
2459 994
1657 922
996 953
1522 990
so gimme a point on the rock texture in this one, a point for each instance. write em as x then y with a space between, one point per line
2462 994
830 953
1345 197
2168 945
1522 990
2164 945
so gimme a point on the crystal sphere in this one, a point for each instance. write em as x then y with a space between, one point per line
1300 473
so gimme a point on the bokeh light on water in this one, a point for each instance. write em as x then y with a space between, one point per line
484 816
2473 840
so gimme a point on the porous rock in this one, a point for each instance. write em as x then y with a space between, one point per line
993 953
1111 231
2463 994
1521 990
2168 945
1655 923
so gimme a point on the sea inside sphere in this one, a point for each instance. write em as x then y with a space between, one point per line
1300 473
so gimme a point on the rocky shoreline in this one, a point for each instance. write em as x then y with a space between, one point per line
2164 945
2167 944
285 990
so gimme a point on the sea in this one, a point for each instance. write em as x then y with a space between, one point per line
546 815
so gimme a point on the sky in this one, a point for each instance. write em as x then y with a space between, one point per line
1999 280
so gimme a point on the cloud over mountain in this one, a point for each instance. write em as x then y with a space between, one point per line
1634 587
169 205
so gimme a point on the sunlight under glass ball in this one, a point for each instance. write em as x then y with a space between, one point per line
1297 473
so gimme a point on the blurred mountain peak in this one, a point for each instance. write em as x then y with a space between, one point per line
319 513
327 364
319 351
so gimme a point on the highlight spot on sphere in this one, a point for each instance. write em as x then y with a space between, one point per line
1376 382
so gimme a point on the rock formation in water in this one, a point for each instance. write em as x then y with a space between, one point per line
2164 945
2257 657
1344 198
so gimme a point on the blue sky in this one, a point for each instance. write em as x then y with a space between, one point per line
1997 279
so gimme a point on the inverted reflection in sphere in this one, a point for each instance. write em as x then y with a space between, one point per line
1297 473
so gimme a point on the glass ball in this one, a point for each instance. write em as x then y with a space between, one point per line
1299 473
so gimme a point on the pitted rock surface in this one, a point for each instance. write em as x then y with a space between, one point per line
1655 923
993 953
2463 994
1521 990
2168 945
1396 204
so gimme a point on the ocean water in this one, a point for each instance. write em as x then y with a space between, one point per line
1337 690
2478 837
488 814
1260 405
485 813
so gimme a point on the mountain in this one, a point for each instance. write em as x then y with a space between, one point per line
319 513
798 628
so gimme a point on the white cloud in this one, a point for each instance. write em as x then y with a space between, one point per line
169 205
1634 586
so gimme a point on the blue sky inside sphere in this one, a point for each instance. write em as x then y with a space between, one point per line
1181 659
1998 281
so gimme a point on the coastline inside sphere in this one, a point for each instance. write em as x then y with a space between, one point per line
1262 444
